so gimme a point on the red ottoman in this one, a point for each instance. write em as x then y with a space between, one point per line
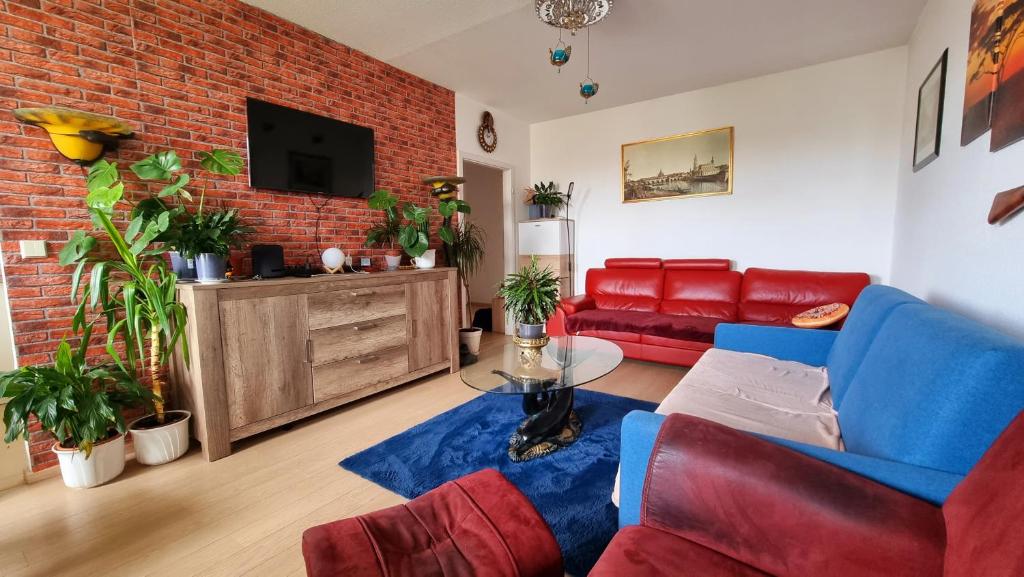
477 525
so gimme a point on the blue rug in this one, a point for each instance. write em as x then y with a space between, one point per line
571 488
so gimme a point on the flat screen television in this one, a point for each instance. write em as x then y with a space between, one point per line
297 151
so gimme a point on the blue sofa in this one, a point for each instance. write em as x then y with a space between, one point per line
920 393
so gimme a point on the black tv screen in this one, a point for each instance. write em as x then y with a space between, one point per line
302 152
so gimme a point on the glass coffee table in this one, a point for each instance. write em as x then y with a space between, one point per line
545 377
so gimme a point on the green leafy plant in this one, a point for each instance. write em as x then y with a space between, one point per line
547 195
386 230
133 288
415 234
216 232
467 250
531 294
78 403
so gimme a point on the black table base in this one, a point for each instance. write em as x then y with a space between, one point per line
552 424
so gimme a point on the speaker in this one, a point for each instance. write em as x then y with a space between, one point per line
267 260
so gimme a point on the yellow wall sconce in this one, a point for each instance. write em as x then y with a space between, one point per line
79 136
444 187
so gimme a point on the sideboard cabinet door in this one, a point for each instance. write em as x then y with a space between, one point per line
266 364
429 336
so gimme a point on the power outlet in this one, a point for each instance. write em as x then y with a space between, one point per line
364 262
33 248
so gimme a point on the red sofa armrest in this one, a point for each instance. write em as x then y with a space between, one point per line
781 511
573 305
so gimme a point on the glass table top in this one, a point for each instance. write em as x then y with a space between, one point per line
564 363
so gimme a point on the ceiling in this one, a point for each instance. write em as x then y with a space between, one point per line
495 51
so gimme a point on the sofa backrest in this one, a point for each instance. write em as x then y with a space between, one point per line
983 514
701 287
776 296
872 307
635 284
934 390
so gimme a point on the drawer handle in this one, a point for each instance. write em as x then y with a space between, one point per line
356 294
364 327
365 360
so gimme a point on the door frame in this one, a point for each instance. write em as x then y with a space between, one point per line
507 208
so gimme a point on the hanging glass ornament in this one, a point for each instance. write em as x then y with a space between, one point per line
588 87
560 54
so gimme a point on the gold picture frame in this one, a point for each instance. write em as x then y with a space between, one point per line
678 166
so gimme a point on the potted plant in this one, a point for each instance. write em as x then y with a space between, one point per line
385 231
467 252
531 296
414 235
132 287
80 405
545 200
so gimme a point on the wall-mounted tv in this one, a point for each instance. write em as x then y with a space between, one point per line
297 151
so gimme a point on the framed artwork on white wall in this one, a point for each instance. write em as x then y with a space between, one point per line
930 98
680 166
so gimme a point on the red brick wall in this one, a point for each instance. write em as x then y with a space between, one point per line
179 71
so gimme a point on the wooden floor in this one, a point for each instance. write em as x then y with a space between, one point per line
242 515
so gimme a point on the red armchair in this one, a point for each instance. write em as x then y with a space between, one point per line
719 502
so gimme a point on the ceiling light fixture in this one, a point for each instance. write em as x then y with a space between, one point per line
572 15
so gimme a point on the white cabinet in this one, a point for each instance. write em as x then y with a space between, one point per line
552 241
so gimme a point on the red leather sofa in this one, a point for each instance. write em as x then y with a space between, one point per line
718 502
666 311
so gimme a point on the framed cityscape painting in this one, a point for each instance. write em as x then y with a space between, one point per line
680 166
930 98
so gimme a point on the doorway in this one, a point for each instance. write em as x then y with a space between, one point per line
485 191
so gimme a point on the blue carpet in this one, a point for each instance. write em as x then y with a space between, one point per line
571 488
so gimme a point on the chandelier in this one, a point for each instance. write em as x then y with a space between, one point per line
572 15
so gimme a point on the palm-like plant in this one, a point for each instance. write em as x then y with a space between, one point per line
531 294
79 404
467 252
134 289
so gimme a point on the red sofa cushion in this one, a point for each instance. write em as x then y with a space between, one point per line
700 329
637 550
706 293
696 264
629 289
776 296
477 525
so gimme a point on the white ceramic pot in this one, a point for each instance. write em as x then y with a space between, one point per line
104 463
392 261
210 267
426 260
159 445
471 338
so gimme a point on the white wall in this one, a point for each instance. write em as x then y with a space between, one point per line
945 251
816 160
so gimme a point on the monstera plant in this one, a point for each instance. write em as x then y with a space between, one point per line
131 286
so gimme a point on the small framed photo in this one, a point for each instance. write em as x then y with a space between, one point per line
930 100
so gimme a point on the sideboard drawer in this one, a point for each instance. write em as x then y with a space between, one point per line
332 344
335 379
334 308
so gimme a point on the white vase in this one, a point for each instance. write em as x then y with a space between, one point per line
392 261
426 260
159 445
105 462
471 338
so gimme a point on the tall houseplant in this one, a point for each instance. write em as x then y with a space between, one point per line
80 405
531 296
467 253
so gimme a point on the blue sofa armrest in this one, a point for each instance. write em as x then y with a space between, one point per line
927 484
639 431
808 346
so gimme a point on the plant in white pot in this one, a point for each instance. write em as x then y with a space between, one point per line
466 250
531 296
385 231
80 405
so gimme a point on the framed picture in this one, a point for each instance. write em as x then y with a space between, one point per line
930 97
981 79
680 166
1008 99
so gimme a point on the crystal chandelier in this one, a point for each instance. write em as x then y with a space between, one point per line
572 15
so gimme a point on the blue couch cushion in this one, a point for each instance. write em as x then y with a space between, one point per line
870 310
934 390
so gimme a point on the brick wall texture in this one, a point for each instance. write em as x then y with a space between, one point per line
179 71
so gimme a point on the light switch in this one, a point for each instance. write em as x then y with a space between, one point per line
33 249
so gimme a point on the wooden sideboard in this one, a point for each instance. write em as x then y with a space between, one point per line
266 353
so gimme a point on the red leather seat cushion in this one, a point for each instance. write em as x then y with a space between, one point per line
776 296
477 525
633 289
637 550
676 343
704 293
700 329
